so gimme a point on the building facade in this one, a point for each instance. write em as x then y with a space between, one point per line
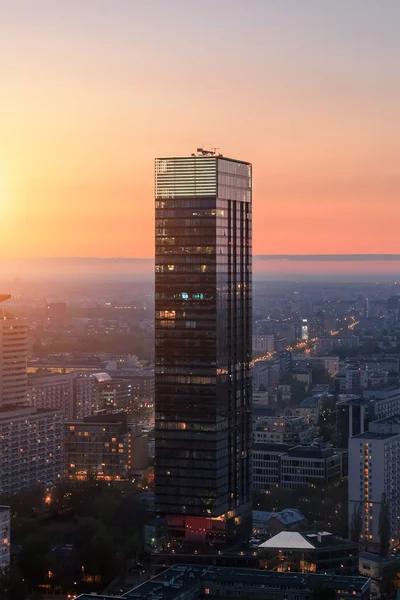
104 446
283 430
13 357
5 531
282 466
203 330
312 552
31 448
73 393
374 479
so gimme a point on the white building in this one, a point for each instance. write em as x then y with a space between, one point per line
73 393
263 343
282 430
31 448
374 470
13 358
386 403
4 537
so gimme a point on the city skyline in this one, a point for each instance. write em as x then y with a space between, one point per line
309 95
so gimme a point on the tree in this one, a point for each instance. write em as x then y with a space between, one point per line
391 577
102 558
356 524
12 586
384 527
33 559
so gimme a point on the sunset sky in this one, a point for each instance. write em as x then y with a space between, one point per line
92 90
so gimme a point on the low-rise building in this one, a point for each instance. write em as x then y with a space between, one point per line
304 376
279 465
200 582
275 522
283 430
267 465
312 552
310 408
313 463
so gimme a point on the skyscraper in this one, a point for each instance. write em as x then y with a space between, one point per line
13 358
203 345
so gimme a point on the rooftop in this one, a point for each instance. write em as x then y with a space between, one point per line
10 411
303 541
172 582
311 402
373 435
101 377
393 420
288 516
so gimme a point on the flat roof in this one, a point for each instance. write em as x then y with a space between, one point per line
172 582
194 155
373 435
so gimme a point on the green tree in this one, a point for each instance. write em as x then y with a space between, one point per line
102 558
12 586
33 559
323 592
391 577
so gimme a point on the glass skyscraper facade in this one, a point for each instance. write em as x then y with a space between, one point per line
203 287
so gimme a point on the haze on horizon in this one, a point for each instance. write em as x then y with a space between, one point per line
92 91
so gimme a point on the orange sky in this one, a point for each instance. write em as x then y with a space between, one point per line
92 91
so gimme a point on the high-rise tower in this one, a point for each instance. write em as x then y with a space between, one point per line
13 358
203 345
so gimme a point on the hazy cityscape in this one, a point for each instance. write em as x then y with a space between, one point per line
199 346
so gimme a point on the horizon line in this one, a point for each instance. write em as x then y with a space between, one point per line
262 257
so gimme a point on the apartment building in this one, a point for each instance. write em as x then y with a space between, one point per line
31 448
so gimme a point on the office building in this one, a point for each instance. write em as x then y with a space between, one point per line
314 463
267 465
192 582
13 357
283 430
31 448
73 393
374 476
5 532
279 465
312 552
106 446
203 330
